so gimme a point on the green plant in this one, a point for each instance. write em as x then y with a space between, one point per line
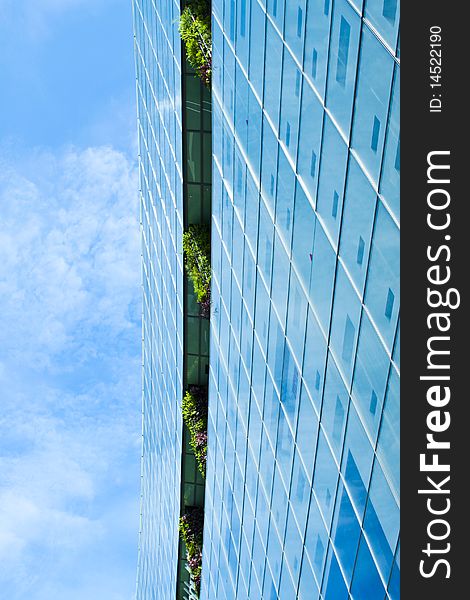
195 31
191 528
194 410
197 252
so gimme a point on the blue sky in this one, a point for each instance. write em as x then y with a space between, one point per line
69 301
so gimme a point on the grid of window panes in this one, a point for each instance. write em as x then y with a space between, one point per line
302 488
158 65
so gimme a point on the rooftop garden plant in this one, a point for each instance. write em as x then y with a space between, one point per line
195 31
195 417
191 529
197 253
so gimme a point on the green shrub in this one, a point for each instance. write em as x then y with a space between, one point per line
191 528
195 31
197 252
195 416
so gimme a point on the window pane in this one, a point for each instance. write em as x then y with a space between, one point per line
342 63
366 581
383 277
345 532
357 460
372 99
390 178
325 478
344 329
370 377
332 176
358 219
311 124
316 42
334 407
385 16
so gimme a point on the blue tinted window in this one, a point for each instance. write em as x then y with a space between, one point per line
381 521
383 275
257 566
285 199
311 123
394 583
290 388
287 589
357 460
249 276
266 473
345 532
303 234
290 104
332 176
272 87
384 15
343 51
372 100
254 131
396 350
334 408
262 313
316 43
358 218
316 539
265 244
243 27
294 30
293 545
269 589
342 63
284 447
276 350
299 493
314 359
334 586
308 588
276 9
307 429
366 581
239 188
370 377
325 478
390 178
346 313
241 105
323 274
296 317
257 51
279 502
269 169
271 410
280 287
237 259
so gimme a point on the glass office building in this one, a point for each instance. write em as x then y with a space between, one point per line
174 125
161 181
302 490
302 483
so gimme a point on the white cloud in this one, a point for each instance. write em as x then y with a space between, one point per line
69 250
69 374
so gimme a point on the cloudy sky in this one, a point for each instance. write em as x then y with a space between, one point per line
69 301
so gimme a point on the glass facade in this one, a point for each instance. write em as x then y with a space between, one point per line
302 487
174 116
158 66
